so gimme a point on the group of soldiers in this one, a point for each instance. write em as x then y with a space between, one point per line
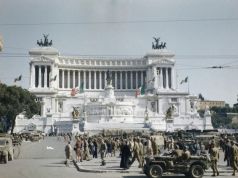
130 149
137 148
230 150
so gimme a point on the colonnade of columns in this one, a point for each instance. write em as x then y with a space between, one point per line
96 79
165 76
40 76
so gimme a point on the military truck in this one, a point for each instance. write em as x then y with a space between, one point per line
6 149
194 167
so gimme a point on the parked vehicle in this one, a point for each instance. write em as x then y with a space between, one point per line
194 167
6 149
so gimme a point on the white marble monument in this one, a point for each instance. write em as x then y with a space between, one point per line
77 96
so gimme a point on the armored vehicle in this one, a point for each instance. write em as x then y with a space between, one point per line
6 149
194 167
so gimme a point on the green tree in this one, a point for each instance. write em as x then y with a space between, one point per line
14 100
220 118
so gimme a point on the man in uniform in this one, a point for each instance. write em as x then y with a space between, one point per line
68 153
177 154
141 151
103 149
136 155
214 156
154 146
186 154
234 157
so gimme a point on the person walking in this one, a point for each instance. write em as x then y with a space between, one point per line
77 149
234 157
214 156
68 153
227 152
125 155
136 150
102 150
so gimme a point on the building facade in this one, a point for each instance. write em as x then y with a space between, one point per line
210 103
89 93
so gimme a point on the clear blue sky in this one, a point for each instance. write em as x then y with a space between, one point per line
201 34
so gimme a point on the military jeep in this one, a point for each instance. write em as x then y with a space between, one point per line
6 149
194 167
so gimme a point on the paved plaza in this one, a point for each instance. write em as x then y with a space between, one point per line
45 159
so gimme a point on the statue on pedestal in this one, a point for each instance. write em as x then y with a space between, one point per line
157 44
46 41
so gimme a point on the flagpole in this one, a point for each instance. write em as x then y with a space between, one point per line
188 85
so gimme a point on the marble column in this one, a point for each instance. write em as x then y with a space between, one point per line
89 78
32 75
84 79
45 76
105 78
95 79
126 79
172 78
161 77
79 82
39 86
63 78
131 79
167 78
121 80
68 72
115 80
100 79
73 78
136 79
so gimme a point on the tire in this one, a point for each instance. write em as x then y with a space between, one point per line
196 171
6 159
155 171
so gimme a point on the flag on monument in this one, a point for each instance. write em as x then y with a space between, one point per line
18 78
184 81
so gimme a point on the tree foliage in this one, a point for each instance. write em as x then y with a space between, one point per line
15 100
220 117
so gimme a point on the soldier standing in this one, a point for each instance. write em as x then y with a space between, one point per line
214 156
234 157
154 146
141 152
86 149
228 152
103 149
68 153
136 150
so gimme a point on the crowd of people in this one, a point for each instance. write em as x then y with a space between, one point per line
135 148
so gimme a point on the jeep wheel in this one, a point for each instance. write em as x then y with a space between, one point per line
6 159
196 171
155 171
